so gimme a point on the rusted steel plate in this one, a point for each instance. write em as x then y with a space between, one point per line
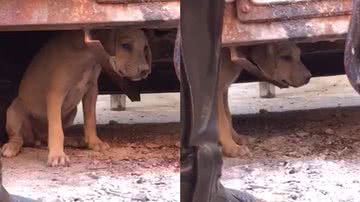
76 14
131 1
248 11
238 33
277 1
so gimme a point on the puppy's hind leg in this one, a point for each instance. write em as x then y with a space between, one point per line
239 139
17 126
73 140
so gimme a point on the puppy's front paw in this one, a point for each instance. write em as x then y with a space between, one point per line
99 145
240 139
10 149
235 150
56 159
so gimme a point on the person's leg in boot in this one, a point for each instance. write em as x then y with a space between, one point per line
201 159
6 197
352 48
15 198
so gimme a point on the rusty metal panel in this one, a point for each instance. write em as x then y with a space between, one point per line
76 14
252 11
236 32
259 2
131 1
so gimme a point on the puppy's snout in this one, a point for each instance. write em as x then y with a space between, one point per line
144 73
144 70
307 77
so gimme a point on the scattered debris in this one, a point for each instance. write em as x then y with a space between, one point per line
302 133
136 168
263 111
329 131
295 161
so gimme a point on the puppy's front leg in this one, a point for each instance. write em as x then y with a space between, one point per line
89 108
54 103
228 73
229 146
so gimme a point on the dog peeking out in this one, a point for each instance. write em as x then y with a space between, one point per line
277 63
63 73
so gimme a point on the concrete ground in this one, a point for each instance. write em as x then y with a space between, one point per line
304 144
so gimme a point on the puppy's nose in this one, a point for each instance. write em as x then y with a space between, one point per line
144 73
308 77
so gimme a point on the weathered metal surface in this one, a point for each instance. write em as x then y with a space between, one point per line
277 1
248 11
352 47
77 14
131 1
314 29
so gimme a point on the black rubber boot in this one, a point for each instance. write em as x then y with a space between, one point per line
352 48
15 198
198 41
232 195
6 197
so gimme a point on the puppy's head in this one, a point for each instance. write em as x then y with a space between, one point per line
281 64
130 53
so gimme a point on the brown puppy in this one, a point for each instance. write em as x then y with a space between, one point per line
62 74
279 63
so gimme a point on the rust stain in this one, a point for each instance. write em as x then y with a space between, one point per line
240 28
291 10
237 33
76 14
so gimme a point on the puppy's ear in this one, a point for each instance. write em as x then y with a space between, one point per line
263 56
148 54
107 39
149 34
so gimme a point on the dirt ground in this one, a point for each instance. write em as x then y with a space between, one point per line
305 146
142 165
300 156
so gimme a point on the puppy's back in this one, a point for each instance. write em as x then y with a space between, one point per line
60 59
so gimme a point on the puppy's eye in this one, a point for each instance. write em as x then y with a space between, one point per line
286 57
126 46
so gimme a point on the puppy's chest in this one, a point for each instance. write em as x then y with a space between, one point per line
85 80
80 88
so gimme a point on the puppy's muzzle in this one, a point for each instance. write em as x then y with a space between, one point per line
144 71
308 77
144 74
